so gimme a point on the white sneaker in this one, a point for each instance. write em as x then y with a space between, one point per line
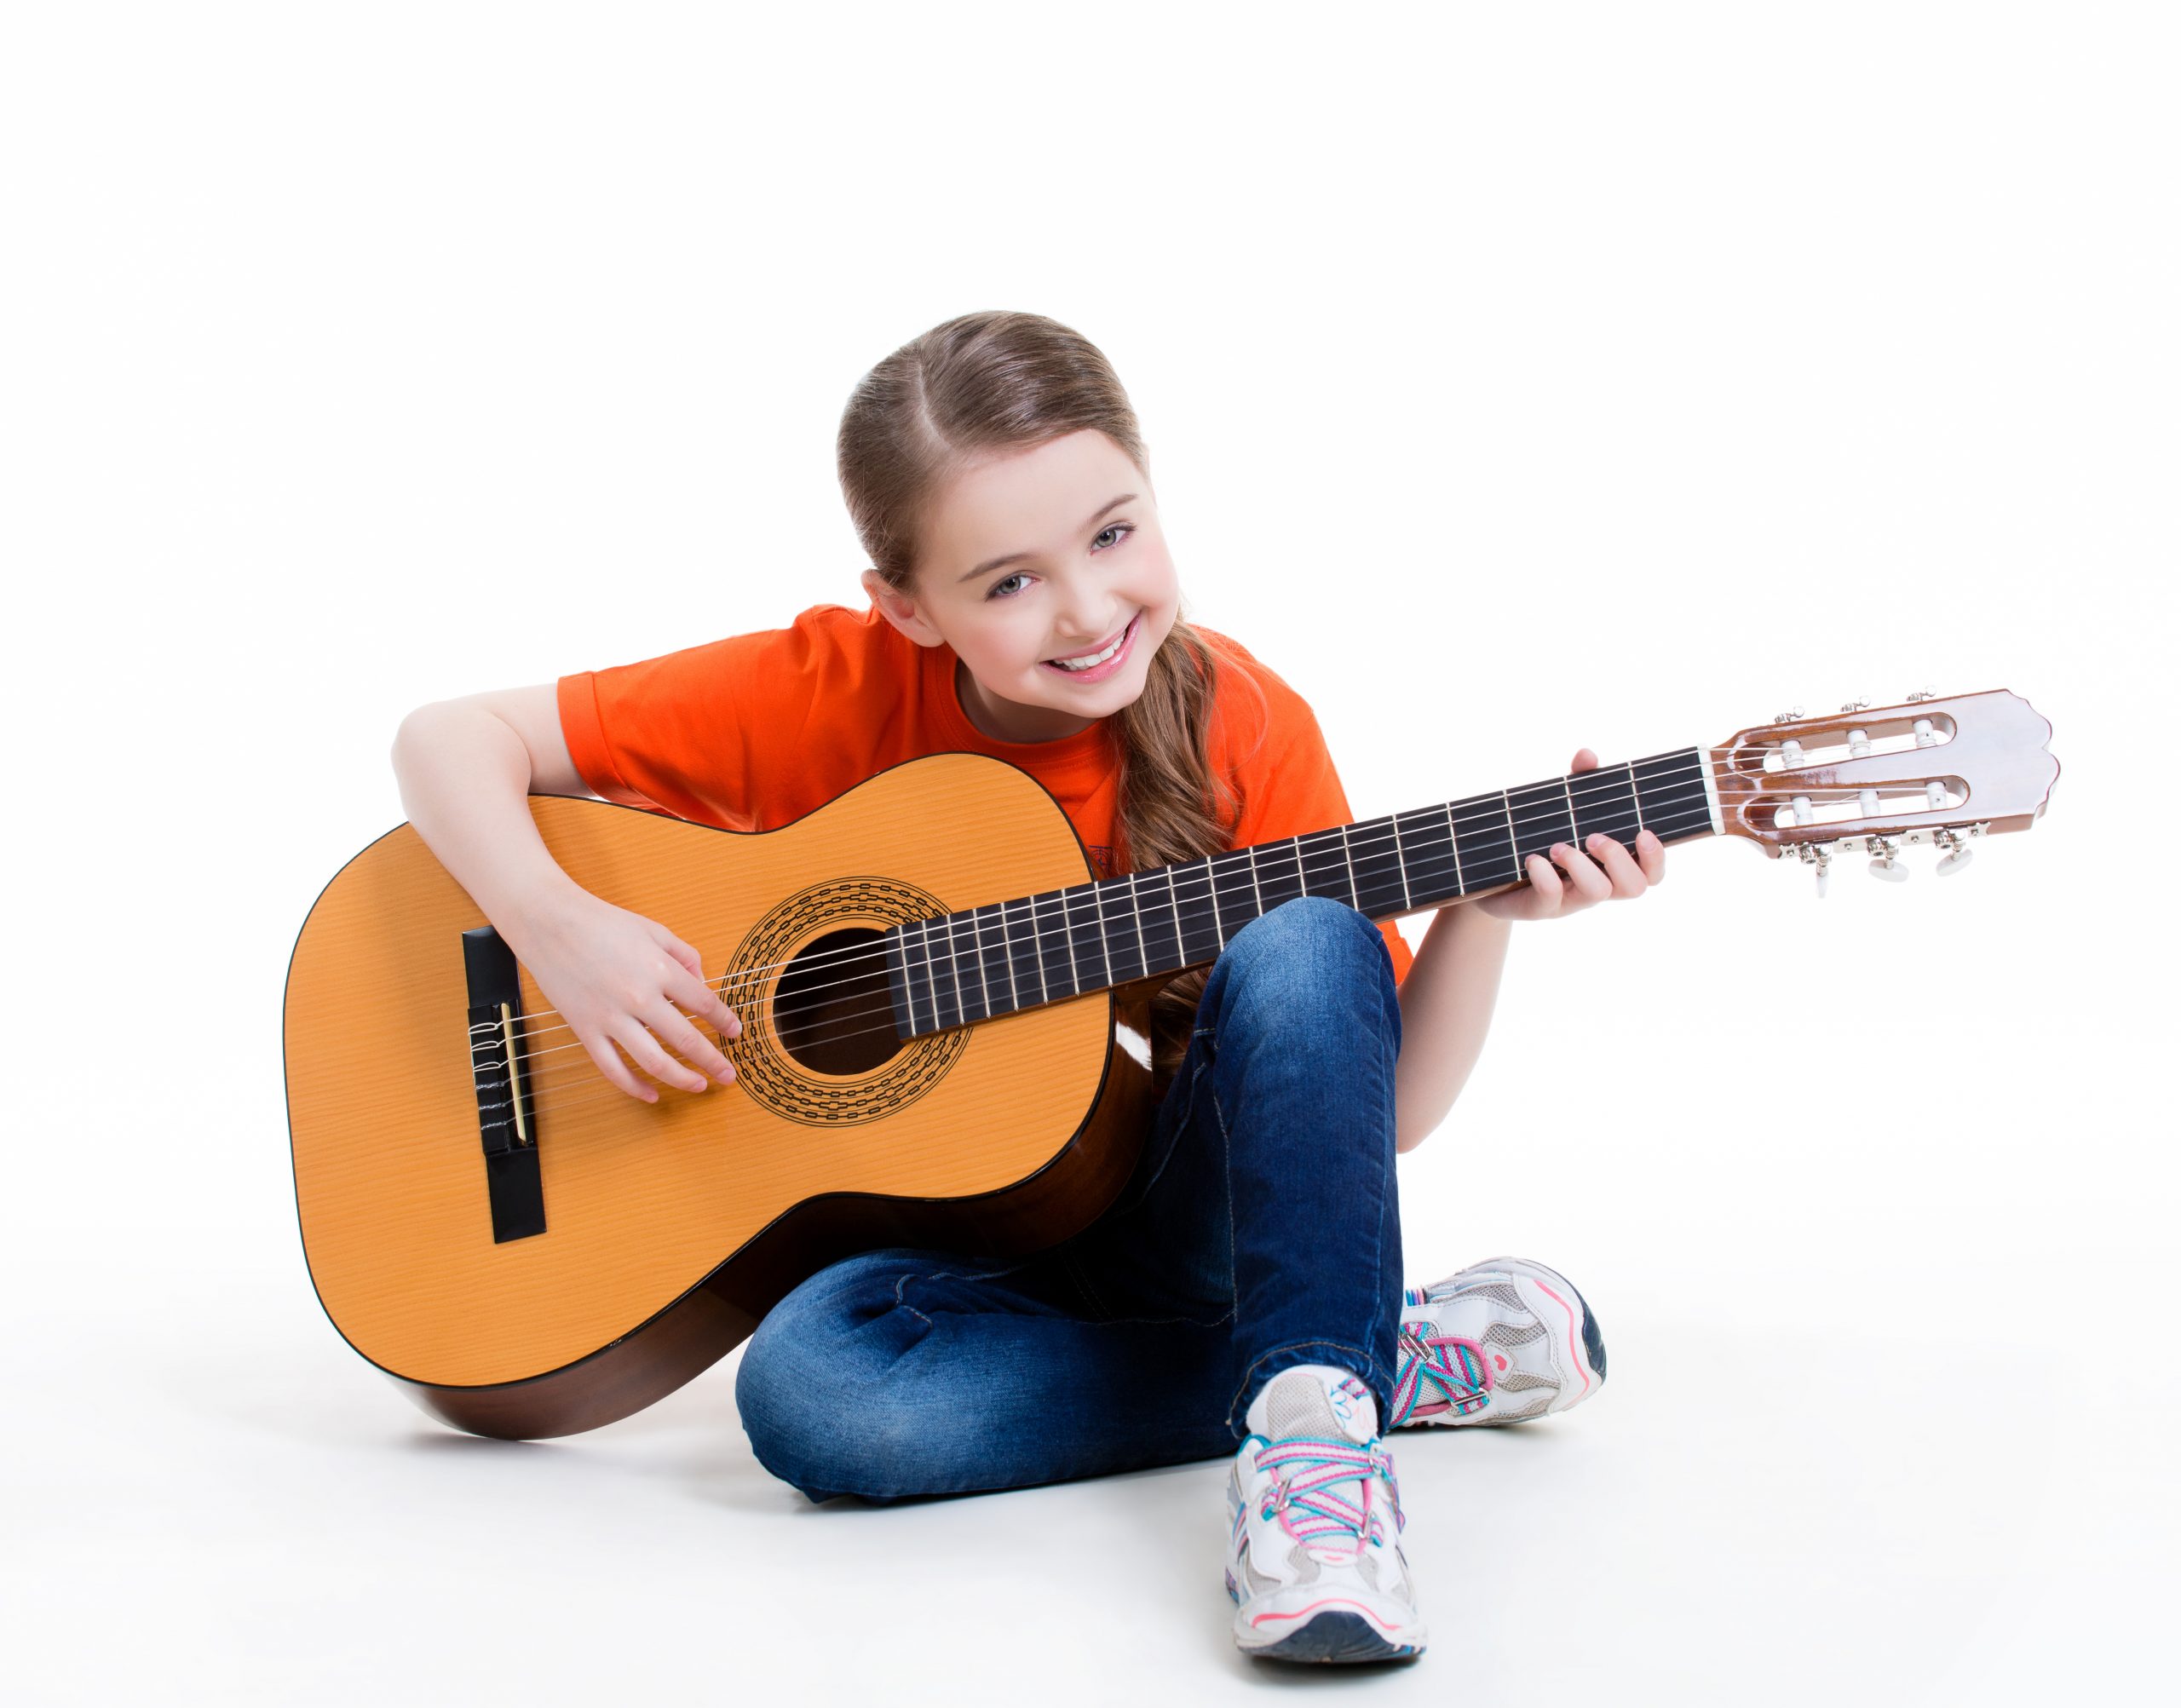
1313 1560
1498 1342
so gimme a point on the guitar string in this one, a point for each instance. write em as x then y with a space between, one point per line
860 954
539 1084
538 1104
1489 821
1429 866
1064 919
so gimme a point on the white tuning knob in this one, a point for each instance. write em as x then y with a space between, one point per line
1891 871
1950 864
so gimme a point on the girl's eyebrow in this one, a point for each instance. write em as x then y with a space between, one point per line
991 563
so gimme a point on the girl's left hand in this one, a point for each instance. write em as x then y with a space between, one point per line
1548 894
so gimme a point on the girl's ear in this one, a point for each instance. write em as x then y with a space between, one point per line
900 610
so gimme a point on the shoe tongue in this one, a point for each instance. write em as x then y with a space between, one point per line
1314 1399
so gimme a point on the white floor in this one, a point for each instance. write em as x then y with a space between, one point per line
213 1501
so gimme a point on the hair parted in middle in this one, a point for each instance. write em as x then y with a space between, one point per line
999 381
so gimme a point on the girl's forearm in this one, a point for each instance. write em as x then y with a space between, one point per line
465 778
1445 1009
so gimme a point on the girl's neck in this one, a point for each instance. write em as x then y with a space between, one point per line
1008 722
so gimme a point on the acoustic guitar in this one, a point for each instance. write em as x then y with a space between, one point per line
929 979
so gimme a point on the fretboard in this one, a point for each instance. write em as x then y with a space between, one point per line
958 968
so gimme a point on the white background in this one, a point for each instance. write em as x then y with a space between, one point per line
1612 374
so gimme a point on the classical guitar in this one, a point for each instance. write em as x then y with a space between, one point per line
928 979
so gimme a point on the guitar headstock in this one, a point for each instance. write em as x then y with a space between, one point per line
1873 779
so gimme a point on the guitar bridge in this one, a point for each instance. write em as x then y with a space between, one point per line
507 1121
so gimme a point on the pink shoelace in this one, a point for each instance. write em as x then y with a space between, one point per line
1438 1373
1304 1501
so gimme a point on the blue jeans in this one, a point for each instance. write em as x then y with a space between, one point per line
1259 1230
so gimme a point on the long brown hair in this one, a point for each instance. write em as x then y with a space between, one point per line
994 381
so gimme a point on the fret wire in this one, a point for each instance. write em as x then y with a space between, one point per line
1142 954
977 949
1347 855
1575 830
908 971
1514 849
930 974
1454 843
1174 901
1635 796
1407 903
954 976
1254 890
954 948
1067 931
1037 948
1007 956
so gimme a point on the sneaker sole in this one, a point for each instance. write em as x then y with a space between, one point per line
1334 1635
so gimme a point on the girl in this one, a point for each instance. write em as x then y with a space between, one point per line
1246 1286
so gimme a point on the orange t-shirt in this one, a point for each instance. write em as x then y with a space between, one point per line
755 731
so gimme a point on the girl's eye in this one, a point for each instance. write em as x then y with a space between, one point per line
1104 540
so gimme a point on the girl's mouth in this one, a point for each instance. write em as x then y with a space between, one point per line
1099 672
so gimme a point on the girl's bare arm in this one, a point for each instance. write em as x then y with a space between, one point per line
466 768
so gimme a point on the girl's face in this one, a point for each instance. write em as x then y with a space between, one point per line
1028 556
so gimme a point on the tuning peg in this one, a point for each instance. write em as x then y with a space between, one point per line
1885 865
1919 696
1958 854
1854 705
1788 716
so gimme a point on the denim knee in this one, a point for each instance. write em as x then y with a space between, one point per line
801 1388
1324 949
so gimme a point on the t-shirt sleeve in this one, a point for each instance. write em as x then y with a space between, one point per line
1288 780
675 733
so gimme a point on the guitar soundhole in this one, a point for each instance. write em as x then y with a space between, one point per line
833 1010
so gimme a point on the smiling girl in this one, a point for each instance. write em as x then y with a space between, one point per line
1242 1298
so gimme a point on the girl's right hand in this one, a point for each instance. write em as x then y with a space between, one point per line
617 978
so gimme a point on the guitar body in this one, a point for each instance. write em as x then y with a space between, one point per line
669 1229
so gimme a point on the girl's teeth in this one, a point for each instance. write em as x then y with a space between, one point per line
1092 663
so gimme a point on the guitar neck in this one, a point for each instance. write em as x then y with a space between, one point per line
961 968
